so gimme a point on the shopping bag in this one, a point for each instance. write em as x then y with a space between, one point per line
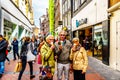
39 59
30 56
71 68
18 67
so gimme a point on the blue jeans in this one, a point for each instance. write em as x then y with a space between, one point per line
2 67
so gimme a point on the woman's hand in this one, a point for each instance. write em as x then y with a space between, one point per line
19 60
74 48
83 72
52 47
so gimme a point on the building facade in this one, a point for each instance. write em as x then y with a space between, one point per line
114 16
57 12
14 21
90 20
44 24
36 31
58 17
67 16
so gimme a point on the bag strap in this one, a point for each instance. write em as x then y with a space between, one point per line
78 53
31 46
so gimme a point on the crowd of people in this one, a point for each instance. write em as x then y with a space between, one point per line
70 56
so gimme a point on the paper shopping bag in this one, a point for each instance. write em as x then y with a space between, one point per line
18 67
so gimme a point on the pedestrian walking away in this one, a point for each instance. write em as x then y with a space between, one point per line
26 56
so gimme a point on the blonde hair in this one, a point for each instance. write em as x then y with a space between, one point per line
48 37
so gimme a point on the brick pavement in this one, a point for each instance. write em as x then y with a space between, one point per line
10 75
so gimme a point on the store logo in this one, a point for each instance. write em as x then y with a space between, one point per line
81 22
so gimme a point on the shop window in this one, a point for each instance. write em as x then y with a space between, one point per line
10 30
98 34
20 31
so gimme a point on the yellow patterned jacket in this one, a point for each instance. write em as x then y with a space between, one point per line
47 56
80 59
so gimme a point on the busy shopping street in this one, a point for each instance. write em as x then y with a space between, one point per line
11 75
94 72
59 39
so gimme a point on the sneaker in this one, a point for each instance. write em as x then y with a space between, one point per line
0 75
32 76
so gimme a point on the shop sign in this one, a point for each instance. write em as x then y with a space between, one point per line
81 22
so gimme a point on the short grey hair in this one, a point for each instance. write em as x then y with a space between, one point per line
62 31
75 39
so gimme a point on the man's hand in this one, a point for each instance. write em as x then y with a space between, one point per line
60 47
19 60
56 57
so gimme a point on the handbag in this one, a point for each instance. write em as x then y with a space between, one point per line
9 48
39 59
30 56
18 67
35 52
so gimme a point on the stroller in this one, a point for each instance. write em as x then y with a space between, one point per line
45 73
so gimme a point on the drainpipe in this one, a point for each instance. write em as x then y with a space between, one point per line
71 19
108 34
0 16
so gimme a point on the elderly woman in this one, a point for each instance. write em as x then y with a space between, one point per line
79 58
47 53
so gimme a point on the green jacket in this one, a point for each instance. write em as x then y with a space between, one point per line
47 56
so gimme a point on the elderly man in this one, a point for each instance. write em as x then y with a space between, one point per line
3 47
62 51
47 53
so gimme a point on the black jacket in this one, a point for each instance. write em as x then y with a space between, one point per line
3 47
24 50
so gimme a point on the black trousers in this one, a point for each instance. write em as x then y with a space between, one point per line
78 75
24 62
7 58
14 53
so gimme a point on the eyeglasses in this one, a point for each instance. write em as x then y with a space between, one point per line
75 41
62 34
51 39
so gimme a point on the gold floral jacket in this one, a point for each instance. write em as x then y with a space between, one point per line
80 59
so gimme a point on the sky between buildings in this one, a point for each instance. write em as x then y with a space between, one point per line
39 8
